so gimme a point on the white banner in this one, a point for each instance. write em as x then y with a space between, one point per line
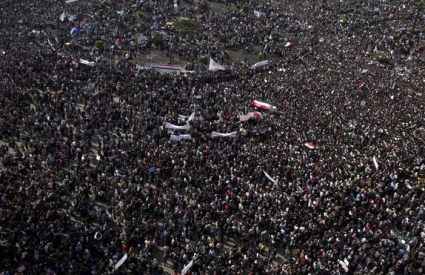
175 137
180 137
123 259
216 134
259 64
214 66
270 178
188 136
70 1
176 127
86 62
186 268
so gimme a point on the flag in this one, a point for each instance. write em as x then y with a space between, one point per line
244 117
375 162
256 115
86 62
172 126
214 66
186 268
289 44
70 1
121 261
152 169
310 145
216 134
143 67
361 85
259 64
344 264
191 117
263 105
62 17
270 178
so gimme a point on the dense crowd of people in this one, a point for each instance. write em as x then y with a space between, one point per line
90 176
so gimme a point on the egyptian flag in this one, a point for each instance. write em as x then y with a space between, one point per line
362 84
310 145
262 105
256 115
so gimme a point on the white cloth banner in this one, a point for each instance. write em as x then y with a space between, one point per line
214 66
259 64
186 268
62 17
175 137
123 259
216 134
176 127
270 178
86 62
70 1
180 137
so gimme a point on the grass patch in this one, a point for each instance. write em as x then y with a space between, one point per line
275 34
186 24
382 59
343 19
99 44
158 41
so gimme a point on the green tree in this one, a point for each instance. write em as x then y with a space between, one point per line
419 6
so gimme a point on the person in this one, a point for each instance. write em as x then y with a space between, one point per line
90 174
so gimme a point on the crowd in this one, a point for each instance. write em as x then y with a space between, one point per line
89 173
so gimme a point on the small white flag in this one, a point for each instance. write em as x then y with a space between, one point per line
214 66
186 268
375 162
270 178
191 117
121 261
344 265
70 1
62 17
